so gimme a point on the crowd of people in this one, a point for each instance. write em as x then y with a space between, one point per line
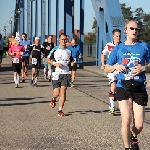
126 66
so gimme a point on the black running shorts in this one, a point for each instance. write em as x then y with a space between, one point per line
17 67
73 68
25 59
141 97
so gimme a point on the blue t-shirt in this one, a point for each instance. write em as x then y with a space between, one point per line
27 50
130 56
75 52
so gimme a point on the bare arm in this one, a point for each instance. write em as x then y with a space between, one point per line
109 68
147 68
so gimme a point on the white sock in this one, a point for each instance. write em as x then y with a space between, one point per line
15 80
49 74
60 108
44 71
111 102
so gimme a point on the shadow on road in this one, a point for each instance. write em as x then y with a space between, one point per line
22 104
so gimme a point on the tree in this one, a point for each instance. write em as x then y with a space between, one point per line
94 26
126 11
91 36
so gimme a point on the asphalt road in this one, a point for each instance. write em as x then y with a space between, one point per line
28 123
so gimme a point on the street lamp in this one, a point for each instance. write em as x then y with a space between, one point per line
10 22
5 30
18 12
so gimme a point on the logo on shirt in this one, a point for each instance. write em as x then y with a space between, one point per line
130 60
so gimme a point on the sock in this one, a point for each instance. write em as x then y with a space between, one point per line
49 74
60 108
111 98
44 71
32 78
15 79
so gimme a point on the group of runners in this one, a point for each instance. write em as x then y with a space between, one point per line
126 67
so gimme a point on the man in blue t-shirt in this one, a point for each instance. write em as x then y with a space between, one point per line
25 58
76 54
129 59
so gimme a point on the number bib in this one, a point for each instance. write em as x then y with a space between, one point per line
55 76
15 60
34 61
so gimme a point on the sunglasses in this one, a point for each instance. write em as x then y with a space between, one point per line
136 29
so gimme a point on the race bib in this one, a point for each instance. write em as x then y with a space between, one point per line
15 60
55 76
34 61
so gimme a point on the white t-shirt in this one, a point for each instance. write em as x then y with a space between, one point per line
62 56
108 48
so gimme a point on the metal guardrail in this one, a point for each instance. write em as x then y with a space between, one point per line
89 50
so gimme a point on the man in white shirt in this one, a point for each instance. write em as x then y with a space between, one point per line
112 77
60 57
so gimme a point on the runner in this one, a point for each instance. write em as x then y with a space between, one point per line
5 47
48 46
25 59
129 58
12 40
61 58
76 54
16 51
36 50
1 50
112 77
68 43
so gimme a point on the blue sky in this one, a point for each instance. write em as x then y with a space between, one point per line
7 6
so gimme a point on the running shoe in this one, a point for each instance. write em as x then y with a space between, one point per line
31 82
112 111
26 74
23 79
16 85
52 103
35 84
72 85
134 143
60 113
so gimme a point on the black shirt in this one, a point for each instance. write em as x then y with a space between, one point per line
36 51
45 44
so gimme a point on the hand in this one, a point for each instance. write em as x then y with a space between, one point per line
25 46
80 56
58 65
48 47
103 67
21 53
72 63
42 56
138 69
30 56
119 68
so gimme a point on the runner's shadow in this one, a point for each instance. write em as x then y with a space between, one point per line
16 99
147 109
43 85
22 104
